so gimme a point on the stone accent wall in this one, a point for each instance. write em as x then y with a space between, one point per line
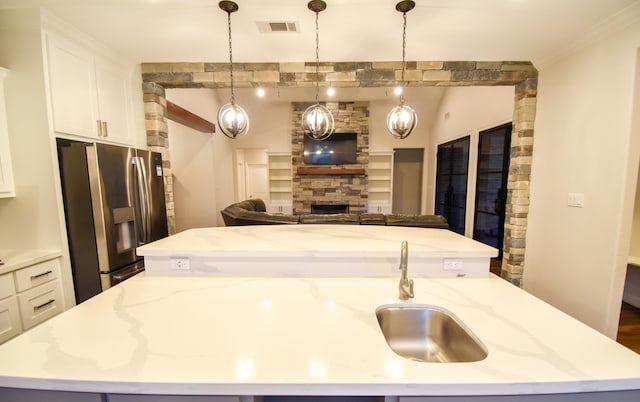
155 114
521 74
331 189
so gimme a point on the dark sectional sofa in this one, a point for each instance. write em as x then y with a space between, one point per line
254 212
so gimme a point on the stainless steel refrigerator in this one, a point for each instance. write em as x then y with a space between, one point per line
114 202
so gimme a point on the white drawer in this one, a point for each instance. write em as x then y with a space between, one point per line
37 274
6 286
40 303
9 319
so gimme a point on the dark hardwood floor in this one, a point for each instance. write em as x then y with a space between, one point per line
629 327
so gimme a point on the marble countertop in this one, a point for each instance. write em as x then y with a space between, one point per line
16 259
281 241
315 250
210 335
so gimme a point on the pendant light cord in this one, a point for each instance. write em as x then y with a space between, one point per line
404 45
317 59
233 98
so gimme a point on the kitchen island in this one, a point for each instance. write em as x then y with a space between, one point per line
251 336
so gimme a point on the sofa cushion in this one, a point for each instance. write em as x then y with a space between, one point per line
372 219
341 219
252 204
236 216
422 221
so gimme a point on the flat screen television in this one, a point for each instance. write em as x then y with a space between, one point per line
338 149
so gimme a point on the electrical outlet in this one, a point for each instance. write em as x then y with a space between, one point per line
180 264
452 264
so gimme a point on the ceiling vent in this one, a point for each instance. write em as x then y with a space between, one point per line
277 26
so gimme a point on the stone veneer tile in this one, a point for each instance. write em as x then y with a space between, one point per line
187 67
266 76
409 75
436 75
429 65
341 76
203 76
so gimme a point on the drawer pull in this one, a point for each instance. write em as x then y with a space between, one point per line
41 275
43 305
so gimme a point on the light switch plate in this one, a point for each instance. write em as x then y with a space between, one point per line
575 200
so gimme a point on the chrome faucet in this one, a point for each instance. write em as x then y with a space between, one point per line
406 284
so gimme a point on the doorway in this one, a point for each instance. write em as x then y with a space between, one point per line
494 147
407 180
452 171
256 185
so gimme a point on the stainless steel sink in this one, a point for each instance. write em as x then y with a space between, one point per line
428 334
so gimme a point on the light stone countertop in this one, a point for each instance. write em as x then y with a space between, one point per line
283 241
16 259
214 335
315 250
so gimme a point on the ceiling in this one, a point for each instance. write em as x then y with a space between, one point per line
350 30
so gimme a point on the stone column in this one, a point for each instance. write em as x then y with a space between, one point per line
517 208
155 110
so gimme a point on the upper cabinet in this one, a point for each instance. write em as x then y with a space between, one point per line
89 95
7 188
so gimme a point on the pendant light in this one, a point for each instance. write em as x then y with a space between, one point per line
402 119
232 119
317 120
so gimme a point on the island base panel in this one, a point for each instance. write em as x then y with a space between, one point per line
29 395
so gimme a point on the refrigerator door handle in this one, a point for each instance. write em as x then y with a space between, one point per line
147 202
142 237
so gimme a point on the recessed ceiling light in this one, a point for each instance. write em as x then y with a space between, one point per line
331 91
260 92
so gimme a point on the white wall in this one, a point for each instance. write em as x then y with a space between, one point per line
586 141
470 110
201 163
34 218
269 121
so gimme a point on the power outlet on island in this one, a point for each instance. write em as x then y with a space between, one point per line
180 264
452 264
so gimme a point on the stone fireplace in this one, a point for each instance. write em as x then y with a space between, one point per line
334 184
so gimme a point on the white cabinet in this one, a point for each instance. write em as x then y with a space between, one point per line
380 182
29 296
39 293
89 95
280 183
7 188
9 313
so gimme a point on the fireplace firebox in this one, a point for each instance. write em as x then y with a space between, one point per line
329 208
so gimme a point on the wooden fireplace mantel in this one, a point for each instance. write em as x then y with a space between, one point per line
330 171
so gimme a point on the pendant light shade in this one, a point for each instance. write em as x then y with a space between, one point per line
232 119
317 120
402 119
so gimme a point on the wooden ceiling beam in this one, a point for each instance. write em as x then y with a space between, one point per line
189 119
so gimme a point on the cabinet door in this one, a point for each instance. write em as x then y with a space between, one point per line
113 102
72 84
9 318
40 303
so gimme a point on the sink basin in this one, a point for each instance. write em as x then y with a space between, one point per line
428 334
